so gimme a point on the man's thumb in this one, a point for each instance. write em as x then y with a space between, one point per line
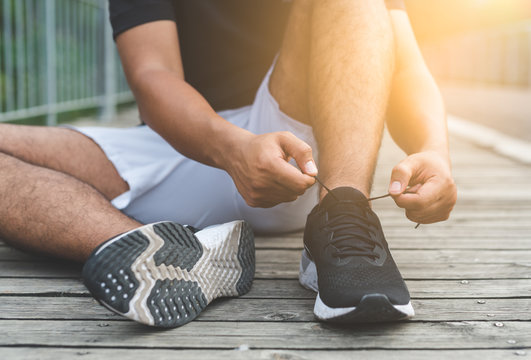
400 178
301 152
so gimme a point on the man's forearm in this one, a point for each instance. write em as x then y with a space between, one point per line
416 116
184 118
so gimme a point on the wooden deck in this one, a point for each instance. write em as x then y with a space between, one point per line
469 278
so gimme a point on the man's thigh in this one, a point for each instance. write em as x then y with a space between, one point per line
289 80
63 150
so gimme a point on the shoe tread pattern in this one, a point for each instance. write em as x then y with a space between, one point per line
175 302
181 248
109 277
171 302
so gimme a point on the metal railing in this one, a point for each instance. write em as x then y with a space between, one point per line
58 56
498 56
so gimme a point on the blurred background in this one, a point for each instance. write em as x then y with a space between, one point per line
479 51
58 61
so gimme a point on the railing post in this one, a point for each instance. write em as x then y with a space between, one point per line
51 74
8 60
109 97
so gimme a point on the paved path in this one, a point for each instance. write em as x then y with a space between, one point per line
470 281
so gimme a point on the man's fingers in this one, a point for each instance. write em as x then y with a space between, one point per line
300 151
414 188
432 194
424 196
400 177
437 212
290 177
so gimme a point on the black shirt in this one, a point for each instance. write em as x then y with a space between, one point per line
226 45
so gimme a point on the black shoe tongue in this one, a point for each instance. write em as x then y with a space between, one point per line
343 193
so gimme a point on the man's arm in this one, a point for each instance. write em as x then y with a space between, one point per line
417 122
169 105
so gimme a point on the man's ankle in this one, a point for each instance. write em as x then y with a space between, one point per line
363 189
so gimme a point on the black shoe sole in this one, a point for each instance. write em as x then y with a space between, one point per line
163 275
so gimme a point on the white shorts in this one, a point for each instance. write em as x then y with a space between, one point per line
165 185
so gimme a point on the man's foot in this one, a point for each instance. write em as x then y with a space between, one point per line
347 261
164 274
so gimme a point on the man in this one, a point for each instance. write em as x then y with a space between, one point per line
343 66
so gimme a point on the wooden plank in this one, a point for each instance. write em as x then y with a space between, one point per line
471 194
403 243
46 353
506 219
403 257
417 243
461 160
472 226
509 194
461 256
286 267
478 227
284 335
480 205
482 174
478 244
292 256
517 179
280 289
517 187
465 215
31 286
269 310
418 288
241 309
429 232
420 271
521 228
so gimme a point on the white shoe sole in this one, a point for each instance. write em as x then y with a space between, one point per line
372 307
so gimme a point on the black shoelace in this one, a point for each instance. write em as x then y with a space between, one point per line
348 224
369 199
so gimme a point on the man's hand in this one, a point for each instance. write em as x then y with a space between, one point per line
262 173
433 193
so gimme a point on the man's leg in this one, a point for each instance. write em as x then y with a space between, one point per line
55 186
334 73
345 82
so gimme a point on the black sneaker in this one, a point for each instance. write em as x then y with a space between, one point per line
164 274
347 261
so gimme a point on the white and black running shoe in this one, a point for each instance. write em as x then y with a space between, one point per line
164 274
347 261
